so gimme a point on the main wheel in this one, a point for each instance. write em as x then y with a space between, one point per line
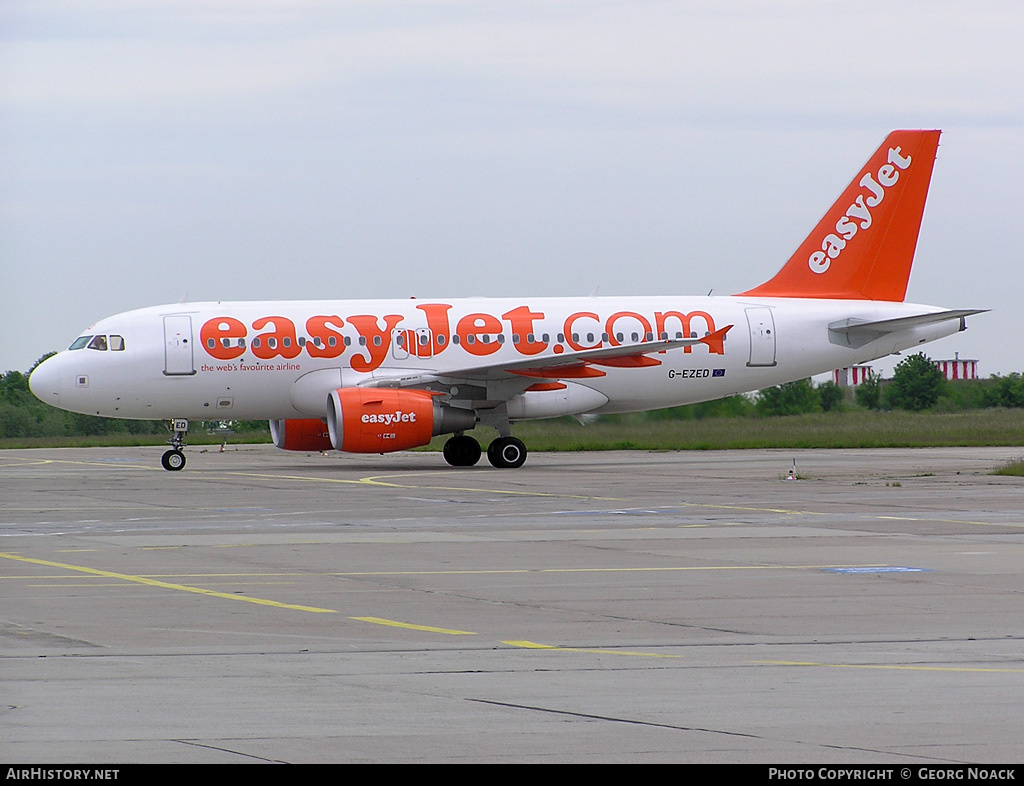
506 453
173 460
461 451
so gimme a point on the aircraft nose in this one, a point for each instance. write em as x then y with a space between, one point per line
44 382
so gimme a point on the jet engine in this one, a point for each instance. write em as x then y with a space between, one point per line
381 420
300 434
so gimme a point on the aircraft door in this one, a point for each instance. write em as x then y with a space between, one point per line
400 344
762 336
406 342
424 343
178 360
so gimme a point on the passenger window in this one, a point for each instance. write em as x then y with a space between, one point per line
99 342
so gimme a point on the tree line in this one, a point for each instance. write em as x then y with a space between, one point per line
917 385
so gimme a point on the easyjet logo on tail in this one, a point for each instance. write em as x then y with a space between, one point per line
865 242
858 214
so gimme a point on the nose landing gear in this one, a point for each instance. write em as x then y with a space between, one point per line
174 459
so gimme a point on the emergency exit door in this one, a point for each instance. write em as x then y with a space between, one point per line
762 336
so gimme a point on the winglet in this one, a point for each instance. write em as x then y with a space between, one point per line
864 246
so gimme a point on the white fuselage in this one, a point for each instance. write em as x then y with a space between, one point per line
248 360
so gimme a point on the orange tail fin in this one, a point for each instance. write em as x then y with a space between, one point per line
864 246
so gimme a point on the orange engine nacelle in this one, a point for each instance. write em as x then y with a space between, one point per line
300 434
381 420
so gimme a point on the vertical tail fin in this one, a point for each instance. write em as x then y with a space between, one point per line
864 246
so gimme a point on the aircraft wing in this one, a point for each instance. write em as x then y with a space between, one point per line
577 364
856 333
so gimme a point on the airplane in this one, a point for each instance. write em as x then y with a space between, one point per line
385 375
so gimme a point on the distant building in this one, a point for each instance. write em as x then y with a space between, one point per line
851 376
957 368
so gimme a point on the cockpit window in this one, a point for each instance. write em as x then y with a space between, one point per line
101 343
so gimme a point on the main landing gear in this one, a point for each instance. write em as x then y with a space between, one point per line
461 451
503 453
174 459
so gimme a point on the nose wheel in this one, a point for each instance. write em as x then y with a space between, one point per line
174 459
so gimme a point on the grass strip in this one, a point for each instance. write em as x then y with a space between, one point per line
849 429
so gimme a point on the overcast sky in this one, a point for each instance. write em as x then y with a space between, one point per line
152 151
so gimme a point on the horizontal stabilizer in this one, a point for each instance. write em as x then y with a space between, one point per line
855 332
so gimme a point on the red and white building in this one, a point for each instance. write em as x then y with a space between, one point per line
851 376
958 368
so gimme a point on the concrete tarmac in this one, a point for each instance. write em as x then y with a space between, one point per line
264 606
